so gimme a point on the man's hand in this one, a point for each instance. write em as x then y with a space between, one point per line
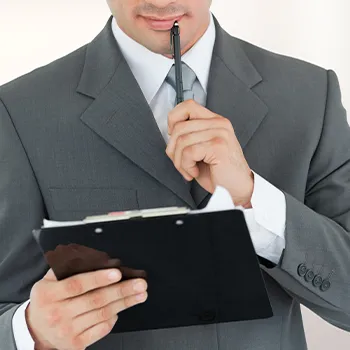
78 311
203 146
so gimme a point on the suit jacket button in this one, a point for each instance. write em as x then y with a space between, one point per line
207 316
317 282
302 269
325 285
309 275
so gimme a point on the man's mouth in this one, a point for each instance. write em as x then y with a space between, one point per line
161 24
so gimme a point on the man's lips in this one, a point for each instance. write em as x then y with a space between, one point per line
161 23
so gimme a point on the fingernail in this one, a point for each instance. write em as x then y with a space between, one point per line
114 275
139 286
140 297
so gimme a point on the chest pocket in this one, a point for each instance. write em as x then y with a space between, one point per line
77 203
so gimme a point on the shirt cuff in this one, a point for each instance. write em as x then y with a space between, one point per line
266 220
23 339
266 244
269 206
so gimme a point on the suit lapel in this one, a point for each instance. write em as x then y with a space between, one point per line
120 114
232 77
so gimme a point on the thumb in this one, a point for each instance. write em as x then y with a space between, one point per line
50 276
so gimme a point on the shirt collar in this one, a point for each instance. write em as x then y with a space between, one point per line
151 71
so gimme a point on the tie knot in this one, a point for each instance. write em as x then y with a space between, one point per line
188 77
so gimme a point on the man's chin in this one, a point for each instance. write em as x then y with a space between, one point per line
161 42
164 50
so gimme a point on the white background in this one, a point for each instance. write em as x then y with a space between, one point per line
35 32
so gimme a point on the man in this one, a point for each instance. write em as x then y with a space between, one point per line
98 130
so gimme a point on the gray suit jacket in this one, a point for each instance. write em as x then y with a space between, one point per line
78 138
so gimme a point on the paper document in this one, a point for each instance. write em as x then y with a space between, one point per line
221 200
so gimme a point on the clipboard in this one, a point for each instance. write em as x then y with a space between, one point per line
200 268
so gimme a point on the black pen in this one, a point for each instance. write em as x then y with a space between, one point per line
175 42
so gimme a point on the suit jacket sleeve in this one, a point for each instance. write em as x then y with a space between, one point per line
21 210
315 265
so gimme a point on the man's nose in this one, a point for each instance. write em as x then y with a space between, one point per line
161 3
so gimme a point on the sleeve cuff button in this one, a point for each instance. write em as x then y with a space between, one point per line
302 269
309 276
325 285
317 282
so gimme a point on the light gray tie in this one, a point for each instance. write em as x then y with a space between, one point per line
188 79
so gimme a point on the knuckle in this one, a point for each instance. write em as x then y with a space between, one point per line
187 152
191 103
219 141
53 317
74 286
97 300
123 304
64 331
104 314
181 139
225 122
128 302
77 343
38 294
122 290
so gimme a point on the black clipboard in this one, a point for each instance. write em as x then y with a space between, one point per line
200 268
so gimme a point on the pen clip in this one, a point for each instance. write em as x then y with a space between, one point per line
172 43
174 31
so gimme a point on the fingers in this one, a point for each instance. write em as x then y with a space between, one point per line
188 110
195 138
184 154
191 132
209 153
83 283
94 334
187 127
190 124
87 320
99 298
192 156
83 319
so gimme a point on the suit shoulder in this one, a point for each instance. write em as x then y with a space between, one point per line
269 63
61 71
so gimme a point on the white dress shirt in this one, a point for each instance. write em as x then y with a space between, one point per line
266 220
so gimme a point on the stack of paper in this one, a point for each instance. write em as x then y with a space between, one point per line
221 200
